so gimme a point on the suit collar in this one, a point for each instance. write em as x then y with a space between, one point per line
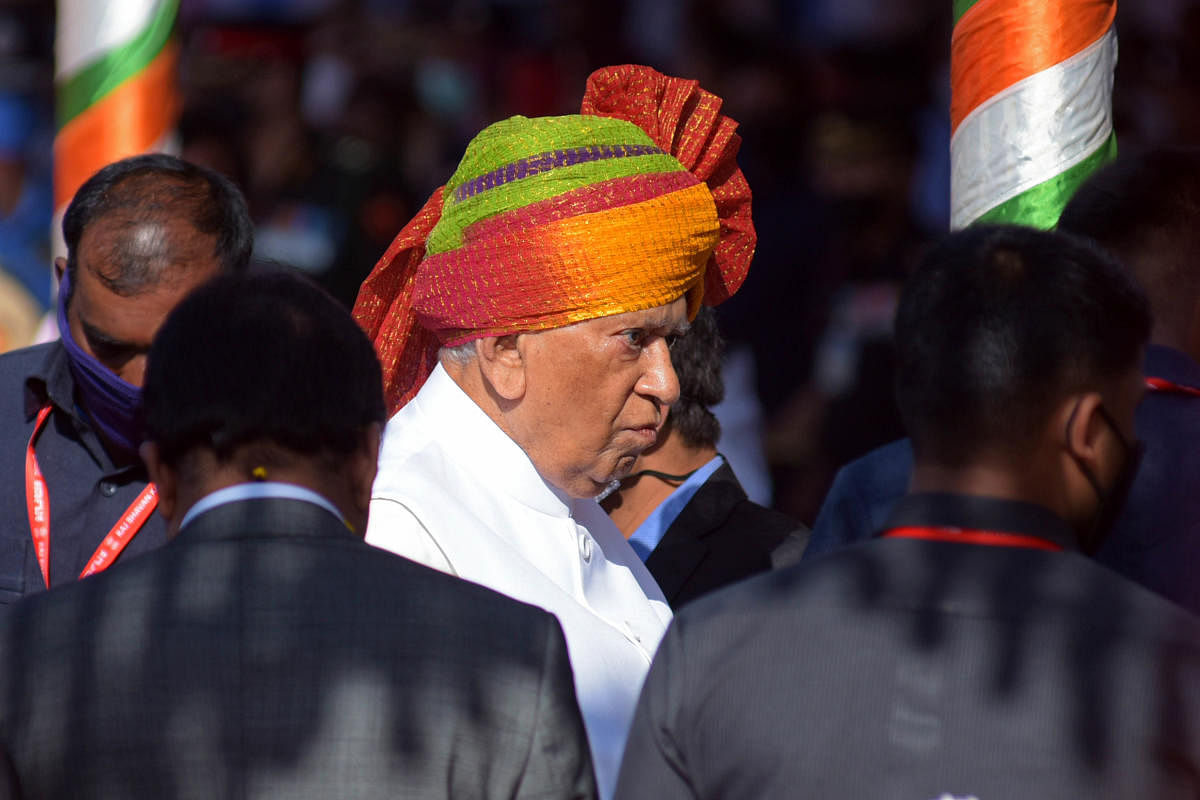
257 490
708 508
266 518
654 528
684 544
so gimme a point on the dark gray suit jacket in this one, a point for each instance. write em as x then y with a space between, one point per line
918 670
267 652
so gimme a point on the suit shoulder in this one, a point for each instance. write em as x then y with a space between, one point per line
766 522
461 596
1137 611
886 463
761 593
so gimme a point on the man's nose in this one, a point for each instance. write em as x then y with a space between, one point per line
659 380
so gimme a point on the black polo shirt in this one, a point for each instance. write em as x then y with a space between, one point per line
960 512
954 666
88 493
1156 539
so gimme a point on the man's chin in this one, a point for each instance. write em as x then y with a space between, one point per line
624 467
605 486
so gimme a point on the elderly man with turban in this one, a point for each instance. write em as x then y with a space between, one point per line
523 320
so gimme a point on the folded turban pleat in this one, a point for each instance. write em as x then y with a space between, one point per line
686 120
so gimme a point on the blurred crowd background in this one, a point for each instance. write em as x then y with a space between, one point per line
339 117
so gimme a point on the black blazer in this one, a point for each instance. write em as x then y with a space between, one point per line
719 537
268 652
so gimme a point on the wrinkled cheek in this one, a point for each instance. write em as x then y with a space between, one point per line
623 466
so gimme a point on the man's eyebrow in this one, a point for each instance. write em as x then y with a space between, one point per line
657 323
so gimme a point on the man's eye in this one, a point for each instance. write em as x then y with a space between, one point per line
108 351
635 337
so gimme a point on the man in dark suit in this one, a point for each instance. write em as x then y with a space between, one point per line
266 650
971 650
1145 209
682 509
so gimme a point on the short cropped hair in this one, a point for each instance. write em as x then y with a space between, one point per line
697 361
153 187
264 358
1145 209
997 326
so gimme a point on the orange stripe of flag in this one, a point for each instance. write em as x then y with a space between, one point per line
1000 42
128 120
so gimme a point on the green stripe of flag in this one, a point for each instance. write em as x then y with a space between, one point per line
83 89
1041 206
961 7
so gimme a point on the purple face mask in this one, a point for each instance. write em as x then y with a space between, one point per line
113 405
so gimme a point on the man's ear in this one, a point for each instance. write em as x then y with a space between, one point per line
164 478
1083 426
502 361
363 466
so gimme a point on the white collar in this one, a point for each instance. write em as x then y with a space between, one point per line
258 490
477 442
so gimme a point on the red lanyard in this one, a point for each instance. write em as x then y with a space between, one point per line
965 536
37 500
1165 386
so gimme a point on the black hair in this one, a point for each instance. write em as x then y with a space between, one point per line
697 361
264 358
1145 209
159 186
998 325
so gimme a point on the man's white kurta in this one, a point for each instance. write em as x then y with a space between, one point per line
456 493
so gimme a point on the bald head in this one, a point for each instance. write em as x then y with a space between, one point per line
141 233
150 216
130 255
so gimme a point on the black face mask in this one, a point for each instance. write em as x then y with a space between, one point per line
1111 500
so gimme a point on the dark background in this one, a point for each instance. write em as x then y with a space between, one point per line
339 117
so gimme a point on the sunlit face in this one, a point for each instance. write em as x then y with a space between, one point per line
597 394
115 329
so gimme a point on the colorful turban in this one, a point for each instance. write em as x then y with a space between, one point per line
546 222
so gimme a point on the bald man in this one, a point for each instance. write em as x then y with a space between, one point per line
141 234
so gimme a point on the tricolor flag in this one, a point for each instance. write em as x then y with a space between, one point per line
115 85
1031 106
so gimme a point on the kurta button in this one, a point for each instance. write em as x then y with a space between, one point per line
585 547
108 488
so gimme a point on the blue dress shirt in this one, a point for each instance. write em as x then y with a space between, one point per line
651 531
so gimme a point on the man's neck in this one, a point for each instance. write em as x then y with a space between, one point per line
198 484
637 498
1023 482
